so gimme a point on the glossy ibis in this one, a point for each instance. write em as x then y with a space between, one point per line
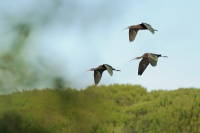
146 59
99 70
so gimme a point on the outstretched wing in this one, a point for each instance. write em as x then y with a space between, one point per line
109 69
97 76
148 26
143 65
153 59
132 34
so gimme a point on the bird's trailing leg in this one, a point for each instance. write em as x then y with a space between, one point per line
164 56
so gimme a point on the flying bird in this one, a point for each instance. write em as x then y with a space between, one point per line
99 70
134 29
146 59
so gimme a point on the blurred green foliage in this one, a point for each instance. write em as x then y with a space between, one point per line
101 109
17 71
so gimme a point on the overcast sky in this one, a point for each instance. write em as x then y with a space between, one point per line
72 36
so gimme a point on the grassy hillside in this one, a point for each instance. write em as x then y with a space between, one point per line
101 109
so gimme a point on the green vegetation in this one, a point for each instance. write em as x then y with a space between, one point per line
101 109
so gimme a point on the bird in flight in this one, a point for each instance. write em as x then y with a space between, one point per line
134 29
146 59
99 70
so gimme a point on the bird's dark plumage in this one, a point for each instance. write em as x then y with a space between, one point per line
135 28
143 65
99 71
146 59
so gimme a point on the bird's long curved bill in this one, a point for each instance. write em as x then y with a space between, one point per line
132 59
125 28
92 69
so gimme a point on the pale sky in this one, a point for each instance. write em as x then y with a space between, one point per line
73 36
